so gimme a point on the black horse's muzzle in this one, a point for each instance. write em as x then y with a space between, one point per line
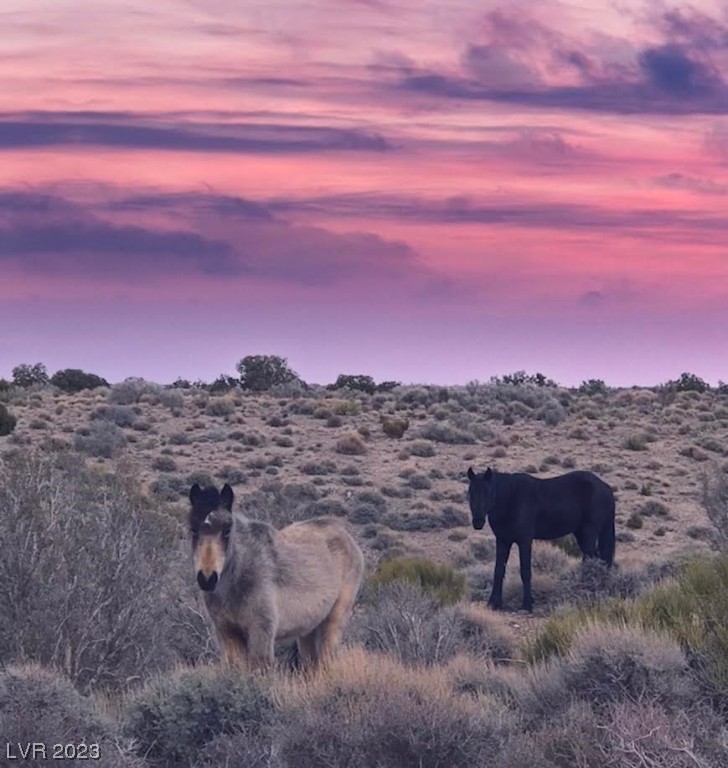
478 524
207 583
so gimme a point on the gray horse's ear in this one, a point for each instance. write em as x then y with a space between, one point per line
195 492
226 497
471 474
488 473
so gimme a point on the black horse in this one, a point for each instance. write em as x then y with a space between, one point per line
521 508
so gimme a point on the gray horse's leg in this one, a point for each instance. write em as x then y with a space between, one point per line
261 646
331 630
234 650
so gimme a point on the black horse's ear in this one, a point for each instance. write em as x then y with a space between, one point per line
226 497
471 474
488 473
195 492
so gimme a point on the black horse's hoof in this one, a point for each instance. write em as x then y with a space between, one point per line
495 605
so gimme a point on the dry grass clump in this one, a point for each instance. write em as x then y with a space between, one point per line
173 717
370 711
351 445
401 621
394 427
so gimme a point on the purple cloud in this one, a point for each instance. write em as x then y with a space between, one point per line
224 236
163 133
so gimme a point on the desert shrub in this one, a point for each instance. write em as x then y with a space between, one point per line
323 467
220 406
245 747
375 713
444 433
223 383
636 442
419 482
121 415
691 607
357 382
174 716
593 387
82 571
568 544
440 581
591 581
37 705
635 521
411 626
259 373
171 398
164 464
715 502
422 448
7 421
169 487
552 412
351 445
26 375
644 733
654 508
132 390
394 427
688 382
281 504
102 439
611 663
76 380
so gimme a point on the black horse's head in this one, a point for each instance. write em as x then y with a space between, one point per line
210 527
481 495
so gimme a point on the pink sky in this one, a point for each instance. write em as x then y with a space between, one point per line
424 191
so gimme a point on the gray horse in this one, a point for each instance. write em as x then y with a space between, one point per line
263 585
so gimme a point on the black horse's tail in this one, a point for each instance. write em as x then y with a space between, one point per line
607 540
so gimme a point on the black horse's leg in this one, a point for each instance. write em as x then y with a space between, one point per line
587 540
524 551
502 550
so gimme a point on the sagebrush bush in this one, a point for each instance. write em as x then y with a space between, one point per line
412 627
351 445
174 716
7 421
612 663
715 501
132 390
39 706
121 415
220 406
281 504
371 712
102 439
440 581
83 570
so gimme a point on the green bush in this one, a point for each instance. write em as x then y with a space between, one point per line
29 375
691 607
259 373
103 439
75 380
174 716
7 421
357 382
440 581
